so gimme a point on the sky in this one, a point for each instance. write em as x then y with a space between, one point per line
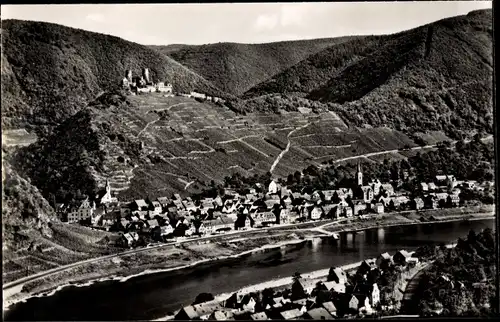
163 24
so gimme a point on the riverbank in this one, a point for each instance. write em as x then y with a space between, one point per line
156 261
175 257
412 218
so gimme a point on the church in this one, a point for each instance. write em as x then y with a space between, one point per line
363 192
104 196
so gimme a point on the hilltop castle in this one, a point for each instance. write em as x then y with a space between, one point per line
143 83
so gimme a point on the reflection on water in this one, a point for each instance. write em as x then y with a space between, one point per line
153 296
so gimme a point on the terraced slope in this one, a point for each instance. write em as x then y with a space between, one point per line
150 145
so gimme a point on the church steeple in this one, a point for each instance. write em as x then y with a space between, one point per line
108 187
359 175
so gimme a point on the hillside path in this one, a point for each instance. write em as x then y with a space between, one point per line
275 163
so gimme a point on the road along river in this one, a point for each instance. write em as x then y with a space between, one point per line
154 296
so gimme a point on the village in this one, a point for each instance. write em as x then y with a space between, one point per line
167 219
374 287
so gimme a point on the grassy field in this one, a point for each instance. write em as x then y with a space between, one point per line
69 244
19 137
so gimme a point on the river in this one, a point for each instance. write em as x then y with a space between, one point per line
153 296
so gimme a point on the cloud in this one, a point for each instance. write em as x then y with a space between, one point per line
96 17
286 15
266 22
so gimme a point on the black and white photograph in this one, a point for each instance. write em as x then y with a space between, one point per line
248 161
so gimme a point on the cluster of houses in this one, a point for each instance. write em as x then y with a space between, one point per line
343 295
272 205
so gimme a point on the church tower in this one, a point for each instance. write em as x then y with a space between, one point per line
108 187
359 176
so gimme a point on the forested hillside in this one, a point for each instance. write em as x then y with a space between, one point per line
436 77
461 281
316 70
235 68
51 71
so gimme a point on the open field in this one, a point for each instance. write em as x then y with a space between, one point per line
19 137
69 244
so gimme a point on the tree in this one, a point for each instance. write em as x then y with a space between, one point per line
203 297
297 289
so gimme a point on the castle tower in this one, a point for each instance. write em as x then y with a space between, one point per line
359 176
145 74
128 75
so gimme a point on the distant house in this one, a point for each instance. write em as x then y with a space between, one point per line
376 185
291 314
259 316
383 260
417 204
166 230
271 203
273 187
399 202
379 208
358 206
330 307
431 202
319 313
374 295
307 285
424 187
339 276
131 237
263 218
152 223
432 186
157 208
82 212
401 257
164 202
335 287
199 311
359 301
284 216
198 95
366 266
388 188
367 193
162 88
348 212
328 194
316 213
221 315
316 196
140 205
453 200
470 184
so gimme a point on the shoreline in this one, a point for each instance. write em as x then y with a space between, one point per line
484 217
8 302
